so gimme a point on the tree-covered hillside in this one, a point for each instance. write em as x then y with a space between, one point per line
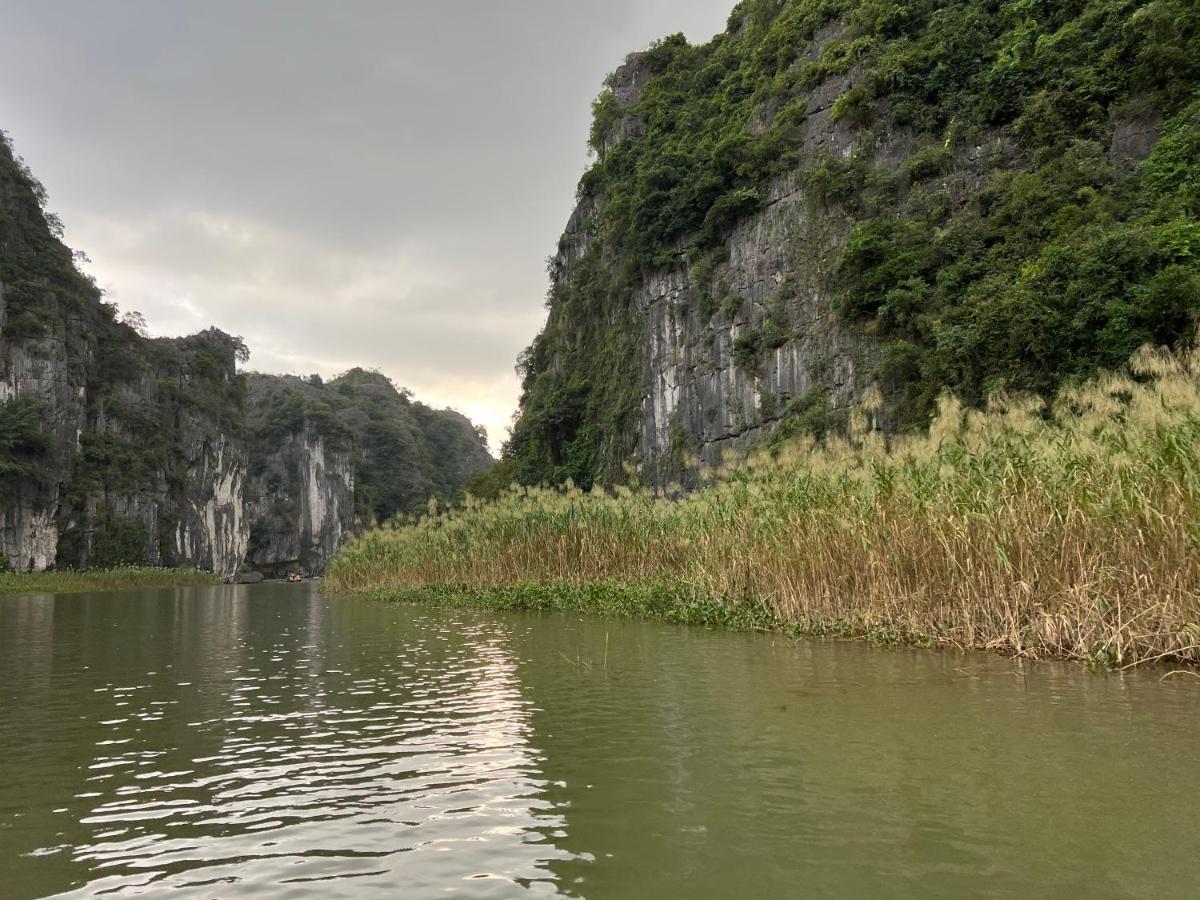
1021 198
404 452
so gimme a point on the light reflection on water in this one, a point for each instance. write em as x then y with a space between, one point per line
264 741
264 758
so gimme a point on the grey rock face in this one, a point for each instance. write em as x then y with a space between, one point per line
735 342
1133 139
301 505
118 449
160 477
39 371
698 391
180 506
700 396
28 532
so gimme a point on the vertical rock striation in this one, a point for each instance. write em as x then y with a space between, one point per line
328 456
829 199
301 505
707 380
710 382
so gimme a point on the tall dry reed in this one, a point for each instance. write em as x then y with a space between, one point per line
1072 531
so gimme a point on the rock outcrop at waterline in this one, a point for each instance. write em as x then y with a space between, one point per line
162 468
300 504
118 449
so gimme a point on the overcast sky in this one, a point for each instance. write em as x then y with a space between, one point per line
341 182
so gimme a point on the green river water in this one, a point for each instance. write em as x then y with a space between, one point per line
265 741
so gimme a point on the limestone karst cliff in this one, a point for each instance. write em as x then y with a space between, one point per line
119 449
162 465
328 455
113 448
834 197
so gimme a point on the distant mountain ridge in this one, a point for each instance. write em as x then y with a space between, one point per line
117 449
325 455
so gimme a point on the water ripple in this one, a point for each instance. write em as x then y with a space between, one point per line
289 764
264 742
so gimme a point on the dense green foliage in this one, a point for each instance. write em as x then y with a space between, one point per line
492 481
22 443
581 377
152 415
1018 245
117 543
667 601
33 260
152 404
150 398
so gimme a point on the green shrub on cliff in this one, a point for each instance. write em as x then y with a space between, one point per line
22 442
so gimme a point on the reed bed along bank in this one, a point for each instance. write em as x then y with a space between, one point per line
1068 531
119 579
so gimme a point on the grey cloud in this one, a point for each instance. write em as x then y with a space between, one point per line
365 182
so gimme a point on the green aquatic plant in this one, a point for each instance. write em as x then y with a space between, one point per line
122 578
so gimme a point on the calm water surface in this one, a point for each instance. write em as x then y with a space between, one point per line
264 741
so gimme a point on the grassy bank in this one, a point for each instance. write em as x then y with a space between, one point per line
121 579
1072 531
669 601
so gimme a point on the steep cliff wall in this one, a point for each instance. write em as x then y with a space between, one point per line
301 505
118 449
47 316
327 456
831 197
162 465
114 449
